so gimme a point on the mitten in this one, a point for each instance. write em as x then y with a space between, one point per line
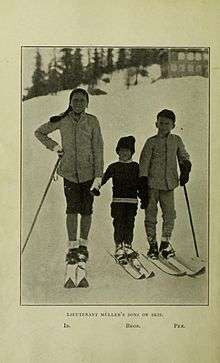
143 191
185 168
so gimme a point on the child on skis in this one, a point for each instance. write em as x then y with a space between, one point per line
81 166
158 165
126 187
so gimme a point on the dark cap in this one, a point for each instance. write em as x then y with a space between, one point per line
126 142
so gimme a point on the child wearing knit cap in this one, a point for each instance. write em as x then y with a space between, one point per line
126 187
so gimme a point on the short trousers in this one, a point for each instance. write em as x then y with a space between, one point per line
78 197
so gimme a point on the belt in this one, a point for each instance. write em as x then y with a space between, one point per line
125 200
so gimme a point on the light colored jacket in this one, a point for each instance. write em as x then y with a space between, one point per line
82 144
158 161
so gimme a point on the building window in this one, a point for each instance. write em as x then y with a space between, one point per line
198 69
181 56
182 68
206 56
198 56
190 56
173 67
190 68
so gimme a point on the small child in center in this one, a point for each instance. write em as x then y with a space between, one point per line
127 187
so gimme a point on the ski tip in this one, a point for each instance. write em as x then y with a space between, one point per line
203 270
152 274
143 276
83 283
184 273
198 273
69 284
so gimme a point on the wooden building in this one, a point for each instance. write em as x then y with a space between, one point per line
180 62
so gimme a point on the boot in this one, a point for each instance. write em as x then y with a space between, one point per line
166 250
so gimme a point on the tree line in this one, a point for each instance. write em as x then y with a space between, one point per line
67 71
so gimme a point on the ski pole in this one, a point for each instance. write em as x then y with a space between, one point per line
191 221
41 202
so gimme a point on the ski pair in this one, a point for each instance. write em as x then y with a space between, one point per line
179 265
133 267
75 275
174 266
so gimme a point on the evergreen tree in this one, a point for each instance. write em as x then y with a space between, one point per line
67 79
153 56
135 61
38 79
77 68
97 71
53 77
135 57
109 66
122 61
88 72
145 61
102 60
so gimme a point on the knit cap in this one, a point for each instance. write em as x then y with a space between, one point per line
126 142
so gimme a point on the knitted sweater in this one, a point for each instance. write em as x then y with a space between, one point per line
158 161
125 180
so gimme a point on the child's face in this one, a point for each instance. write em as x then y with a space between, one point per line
124 154
165 125
78 102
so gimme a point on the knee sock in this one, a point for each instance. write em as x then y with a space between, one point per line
85 225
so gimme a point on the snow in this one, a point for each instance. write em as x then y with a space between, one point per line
121 112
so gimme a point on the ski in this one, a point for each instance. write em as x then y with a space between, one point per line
182 266
75 276
164 267
130 269
137 264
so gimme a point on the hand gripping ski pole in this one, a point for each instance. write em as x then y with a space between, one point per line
41 202
191 221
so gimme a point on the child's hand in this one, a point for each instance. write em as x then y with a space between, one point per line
95 192
58 149
183 179
96 186
185 169
143 191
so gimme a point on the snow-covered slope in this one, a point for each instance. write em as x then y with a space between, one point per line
121 112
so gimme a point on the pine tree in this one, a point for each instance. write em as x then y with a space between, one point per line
102 60
53 77
109 66
88 72
145 57
135 57
96 67
77 68
38 79
121 62
135 61
66 67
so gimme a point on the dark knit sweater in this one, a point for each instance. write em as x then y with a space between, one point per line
125 179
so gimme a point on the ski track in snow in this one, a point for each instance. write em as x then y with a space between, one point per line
122 112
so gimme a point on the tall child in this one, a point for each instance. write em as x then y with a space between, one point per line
158 165
81 166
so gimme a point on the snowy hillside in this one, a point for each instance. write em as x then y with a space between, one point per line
121 112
